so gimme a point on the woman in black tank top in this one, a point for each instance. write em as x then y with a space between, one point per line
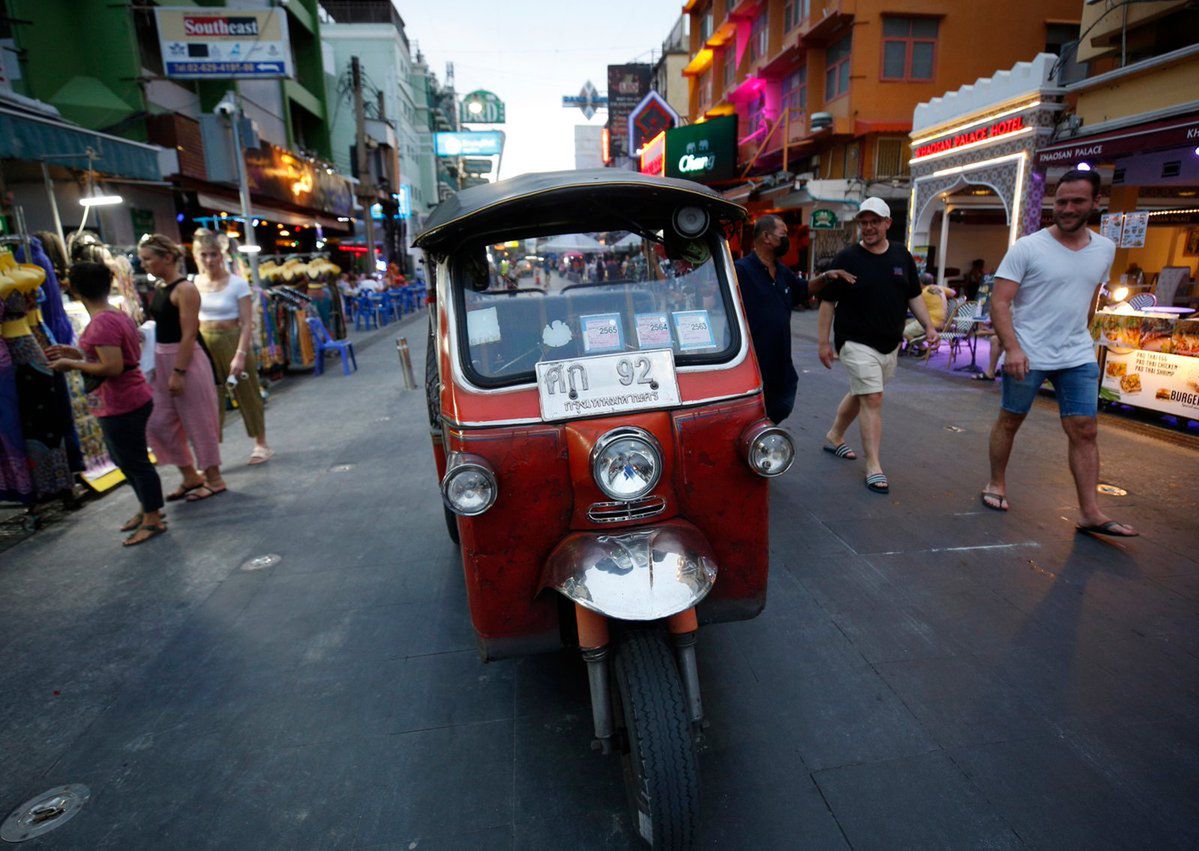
184 428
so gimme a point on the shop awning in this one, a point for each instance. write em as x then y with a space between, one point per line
232 206
24 136
1103 147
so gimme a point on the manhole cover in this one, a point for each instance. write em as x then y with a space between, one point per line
341 468
262 562
954 428
42 814
1110 490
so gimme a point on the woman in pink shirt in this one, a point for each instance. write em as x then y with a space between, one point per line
109 350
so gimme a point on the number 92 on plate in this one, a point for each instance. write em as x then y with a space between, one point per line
607 384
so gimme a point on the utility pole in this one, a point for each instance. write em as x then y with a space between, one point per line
366 189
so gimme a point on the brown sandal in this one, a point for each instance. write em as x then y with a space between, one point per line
182 491
152 530
133 522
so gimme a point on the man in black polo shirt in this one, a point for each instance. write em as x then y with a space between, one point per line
867 316
766 290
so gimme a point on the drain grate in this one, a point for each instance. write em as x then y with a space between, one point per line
262 562
49 810
1110 490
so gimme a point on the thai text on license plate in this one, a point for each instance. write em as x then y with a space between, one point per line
607 384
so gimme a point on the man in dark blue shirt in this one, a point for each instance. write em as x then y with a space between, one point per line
766 290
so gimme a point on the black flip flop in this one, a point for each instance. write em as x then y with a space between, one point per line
196 497
1108 528
155 529
877 483
182 491
1002 506
841 450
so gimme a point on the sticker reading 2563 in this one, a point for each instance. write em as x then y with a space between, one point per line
606 384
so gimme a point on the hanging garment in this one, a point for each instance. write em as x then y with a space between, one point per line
16 481
52 309
42 401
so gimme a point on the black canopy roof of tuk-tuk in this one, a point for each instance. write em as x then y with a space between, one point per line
565 201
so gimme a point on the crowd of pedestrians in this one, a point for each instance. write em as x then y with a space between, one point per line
1042 302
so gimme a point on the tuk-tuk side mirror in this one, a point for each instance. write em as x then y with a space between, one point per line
477 273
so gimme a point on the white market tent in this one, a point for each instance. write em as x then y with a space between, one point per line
629 241
571 242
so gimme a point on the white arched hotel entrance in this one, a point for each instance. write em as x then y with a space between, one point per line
972 166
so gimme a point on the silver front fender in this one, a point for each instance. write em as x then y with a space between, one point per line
641 575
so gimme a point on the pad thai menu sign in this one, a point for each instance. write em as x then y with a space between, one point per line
219 43
1151 362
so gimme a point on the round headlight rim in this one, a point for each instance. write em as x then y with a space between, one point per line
464 467
611 436
759 434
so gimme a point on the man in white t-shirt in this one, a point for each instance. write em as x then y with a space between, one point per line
1043 301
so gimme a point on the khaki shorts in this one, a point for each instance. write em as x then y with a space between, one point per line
868 369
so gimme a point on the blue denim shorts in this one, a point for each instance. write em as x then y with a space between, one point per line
1077 390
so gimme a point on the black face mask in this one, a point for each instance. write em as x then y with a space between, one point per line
783 247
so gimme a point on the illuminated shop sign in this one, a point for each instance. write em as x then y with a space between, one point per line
970 137
653 155
703 152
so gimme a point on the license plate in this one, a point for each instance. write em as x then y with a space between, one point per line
606 384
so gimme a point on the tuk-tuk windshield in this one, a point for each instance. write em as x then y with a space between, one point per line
577 295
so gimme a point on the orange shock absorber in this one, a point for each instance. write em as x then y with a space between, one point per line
593 641
683 622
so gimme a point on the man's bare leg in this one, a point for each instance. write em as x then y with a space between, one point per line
870 424
1003 435
847 412
1083 433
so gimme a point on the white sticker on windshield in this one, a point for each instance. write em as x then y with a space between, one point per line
653 331
602 333
556 334
483 326
694 329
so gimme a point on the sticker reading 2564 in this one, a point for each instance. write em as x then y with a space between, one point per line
607 384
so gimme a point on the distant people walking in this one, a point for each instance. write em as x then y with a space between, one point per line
766 289
866 310
184 388
227 327
1042 304
109 352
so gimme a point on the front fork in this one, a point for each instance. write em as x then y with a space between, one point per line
595 643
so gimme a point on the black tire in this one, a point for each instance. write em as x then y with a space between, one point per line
661 770
451 524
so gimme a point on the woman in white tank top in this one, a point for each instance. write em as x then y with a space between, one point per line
227 326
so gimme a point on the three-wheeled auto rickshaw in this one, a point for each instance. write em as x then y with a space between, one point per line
602 445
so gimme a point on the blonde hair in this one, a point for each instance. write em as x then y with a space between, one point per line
205 238
161 245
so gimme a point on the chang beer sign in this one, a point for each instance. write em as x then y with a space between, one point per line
705 152
482 107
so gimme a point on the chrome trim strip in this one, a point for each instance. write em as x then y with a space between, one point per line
537 420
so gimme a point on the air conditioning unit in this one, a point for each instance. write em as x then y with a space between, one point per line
821 121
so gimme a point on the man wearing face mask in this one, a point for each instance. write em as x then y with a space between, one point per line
766 287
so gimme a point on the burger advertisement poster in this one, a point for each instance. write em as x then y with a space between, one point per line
1151 363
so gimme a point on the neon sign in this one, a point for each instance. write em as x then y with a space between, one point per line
1000 128
653 155
689 163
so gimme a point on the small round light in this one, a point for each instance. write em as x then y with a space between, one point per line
469 489
690 221
771 452
626 463
1083 166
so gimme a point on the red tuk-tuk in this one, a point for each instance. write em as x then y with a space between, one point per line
602 446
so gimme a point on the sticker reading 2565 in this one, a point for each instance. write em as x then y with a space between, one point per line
606 384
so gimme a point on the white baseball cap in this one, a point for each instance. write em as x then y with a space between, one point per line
874 205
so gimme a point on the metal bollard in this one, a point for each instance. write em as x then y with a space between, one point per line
406 363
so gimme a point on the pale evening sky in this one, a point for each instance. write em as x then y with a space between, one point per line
531 54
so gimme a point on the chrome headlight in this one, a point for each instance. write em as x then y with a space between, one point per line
626 463
469 487
769 449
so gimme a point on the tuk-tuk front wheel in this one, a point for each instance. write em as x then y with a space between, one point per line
661 769
451 524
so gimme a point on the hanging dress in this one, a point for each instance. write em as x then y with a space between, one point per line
16 480
45 408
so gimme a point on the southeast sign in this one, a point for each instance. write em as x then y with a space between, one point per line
703 152
484 143
207 43
482 107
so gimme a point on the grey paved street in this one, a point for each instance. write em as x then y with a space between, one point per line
926 673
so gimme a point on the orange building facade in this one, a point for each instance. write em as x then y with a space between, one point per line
824 90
